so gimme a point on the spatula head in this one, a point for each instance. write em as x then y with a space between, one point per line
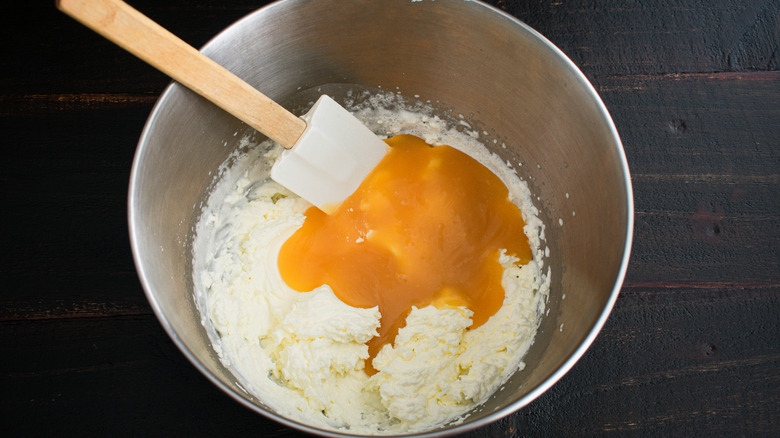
331 158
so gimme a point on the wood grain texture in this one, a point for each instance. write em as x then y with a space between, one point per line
118 22
705 166
714 352
66 173
692 347
603 37
56 41
633 37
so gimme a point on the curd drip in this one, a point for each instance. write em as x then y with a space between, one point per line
425 227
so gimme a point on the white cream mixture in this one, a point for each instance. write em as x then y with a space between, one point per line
303 354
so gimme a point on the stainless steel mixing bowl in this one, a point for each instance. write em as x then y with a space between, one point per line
470 60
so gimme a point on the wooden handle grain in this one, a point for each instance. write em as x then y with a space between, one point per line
139 35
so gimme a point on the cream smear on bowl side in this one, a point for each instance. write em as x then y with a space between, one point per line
303 354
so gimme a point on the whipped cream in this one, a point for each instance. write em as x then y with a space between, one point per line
304 354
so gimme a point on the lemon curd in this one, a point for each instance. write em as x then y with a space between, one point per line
426 226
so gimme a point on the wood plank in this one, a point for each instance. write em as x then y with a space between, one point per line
65 178
45 62
625 37
678 36
713 124
704 155
111 376
680 363
673 362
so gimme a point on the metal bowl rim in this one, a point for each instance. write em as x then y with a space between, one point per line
490 418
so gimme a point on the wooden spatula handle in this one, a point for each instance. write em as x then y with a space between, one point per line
144 38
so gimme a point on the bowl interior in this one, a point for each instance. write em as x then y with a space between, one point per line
469 60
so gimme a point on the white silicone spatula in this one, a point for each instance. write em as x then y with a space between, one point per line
328 151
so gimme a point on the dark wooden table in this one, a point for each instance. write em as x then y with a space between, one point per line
692 347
